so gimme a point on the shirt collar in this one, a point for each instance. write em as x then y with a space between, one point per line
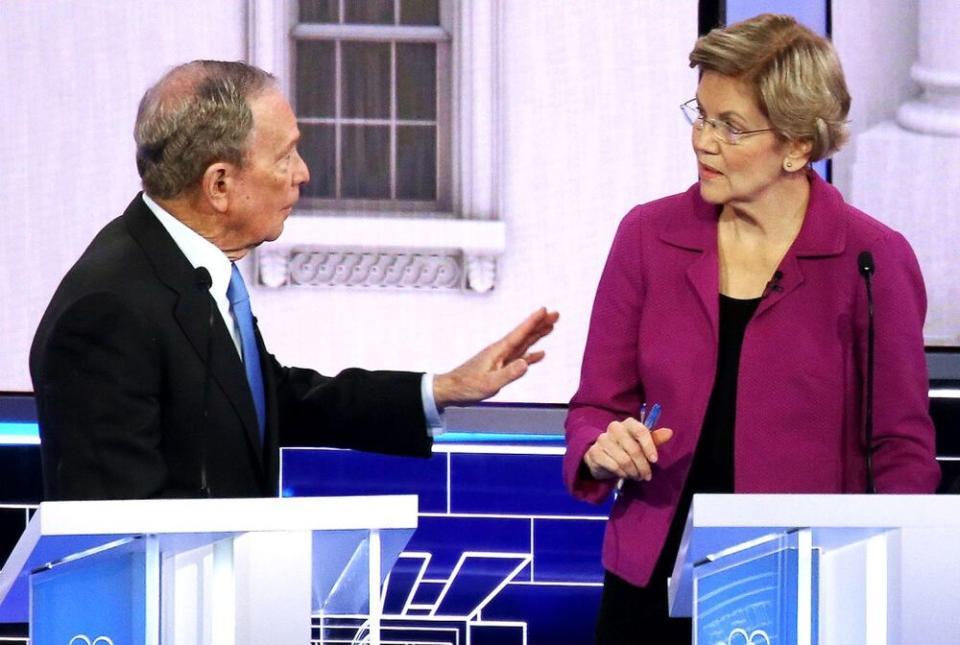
199 251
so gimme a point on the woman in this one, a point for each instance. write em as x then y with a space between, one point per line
739 307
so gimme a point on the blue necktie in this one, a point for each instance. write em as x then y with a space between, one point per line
240 306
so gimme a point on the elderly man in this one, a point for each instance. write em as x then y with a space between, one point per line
150 375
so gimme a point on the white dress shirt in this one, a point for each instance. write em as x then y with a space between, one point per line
200 252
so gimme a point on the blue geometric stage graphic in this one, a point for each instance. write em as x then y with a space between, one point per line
502 553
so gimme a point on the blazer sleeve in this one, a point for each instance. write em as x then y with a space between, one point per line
610 385
904 437
375 411
96 380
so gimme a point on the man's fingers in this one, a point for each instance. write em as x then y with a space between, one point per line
502 377
517 335
515 369
533 328
534 357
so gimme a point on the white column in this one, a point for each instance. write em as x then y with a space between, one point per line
905 173
937 71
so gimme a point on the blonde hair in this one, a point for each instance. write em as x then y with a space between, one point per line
795 75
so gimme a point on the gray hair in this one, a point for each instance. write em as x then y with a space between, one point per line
197 114
795 76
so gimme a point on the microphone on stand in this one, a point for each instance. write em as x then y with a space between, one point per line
867 269
203 282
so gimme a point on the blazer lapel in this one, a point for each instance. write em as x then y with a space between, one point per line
196 314
823 234
791 278
703 274
699 233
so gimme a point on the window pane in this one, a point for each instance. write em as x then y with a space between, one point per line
366 162
416 81
319 150
419 12
315 78
416 162
370 12
318 11
366 80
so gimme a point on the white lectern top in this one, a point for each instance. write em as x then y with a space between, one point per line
59 530
718 522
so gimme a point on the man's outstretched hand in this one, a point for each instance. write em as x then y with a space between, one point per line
496 365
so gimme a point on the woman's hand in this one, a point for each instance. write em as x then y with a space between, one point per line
626 450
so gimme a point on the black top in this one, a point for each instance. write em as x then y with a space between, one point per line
712 468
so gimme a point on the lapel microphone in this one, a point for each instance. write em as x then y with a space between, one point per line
203 282
867 269
773 285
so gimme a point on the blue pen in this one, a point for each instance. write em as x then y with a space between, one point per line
649 420
652 418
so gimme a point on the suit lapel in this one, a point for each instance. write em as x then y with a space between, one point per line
192 311
271 434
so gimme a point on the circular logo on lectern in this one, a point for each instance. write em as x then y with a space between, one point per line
85 640
740 636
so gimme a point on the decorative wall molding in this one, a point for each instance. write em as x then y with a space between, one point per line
381 251
325 267
388 268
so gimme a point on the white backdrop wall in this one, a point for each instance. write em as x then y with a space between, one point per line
589 99
71 75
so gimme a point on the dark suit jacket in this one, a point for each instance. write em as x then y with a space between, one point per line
140 389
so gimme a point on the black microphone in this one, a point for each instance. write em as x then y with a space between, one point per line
203 282
867 269
773 284
202 278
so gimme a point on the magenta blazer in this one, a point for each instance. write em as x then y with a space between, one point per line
653 337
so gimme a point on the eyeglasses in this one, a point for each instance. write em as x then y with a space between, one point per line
722 131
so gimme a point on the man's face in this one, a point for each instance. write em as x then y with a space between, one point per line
268 186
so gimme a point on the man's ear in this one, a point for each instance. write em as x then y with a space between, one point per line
216 184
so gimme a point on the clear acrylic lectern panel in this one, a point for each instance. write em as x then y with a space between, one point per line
157 572
820 569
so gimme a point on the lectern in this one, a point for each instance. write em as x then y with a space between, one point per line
202 572
820 570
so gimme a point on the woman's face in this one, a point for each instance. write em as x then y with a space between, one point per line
746 172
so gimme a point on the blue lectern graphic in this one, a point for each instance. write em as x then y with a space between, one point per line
759 593
107 597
